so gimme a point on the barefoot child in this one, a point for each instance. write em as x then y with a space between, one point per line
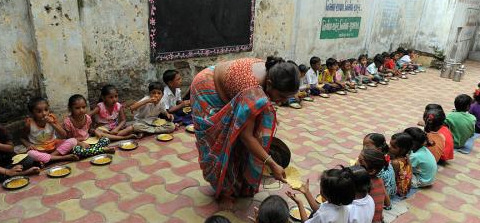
462 123
148 109
7 168
400 146
312 76
337 187
363 77
345 74
424 166
273 209
109 116
172 98
434 120
77 125
40 135
328 77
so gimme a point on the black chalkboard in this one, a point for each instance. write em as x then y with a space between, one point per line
182 29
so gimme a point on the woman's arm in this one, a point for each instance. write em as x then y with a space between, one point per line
253 145
6 147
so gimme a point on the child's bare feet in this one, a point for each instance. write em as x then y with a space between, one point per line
109 150
71 157
31 171
139 135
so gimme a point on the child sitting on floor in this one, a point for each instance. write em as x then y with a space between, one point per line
7 167
109 116
328 77
337 187
389 64
345 74
172 98
273 209
312 76
406 62
434 120
444 131
40 134
462 123
423 163
378 141
374 161
303 91
475 111
363 77
148 109
362 208
372 68
77 125
217 219
400 146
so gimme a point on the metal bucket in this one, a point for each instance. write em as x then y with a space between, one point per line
457 76
450 73
445 70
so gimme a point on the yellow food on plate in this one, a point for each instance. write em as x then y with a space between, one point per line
353 162
16 183
128 146
18 158
319 199
159 122
187 109
91 140
164 137
190 128
102 160
295 213
293 177
59 172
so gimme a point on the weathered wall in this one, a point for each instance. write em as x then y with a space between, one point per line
19 74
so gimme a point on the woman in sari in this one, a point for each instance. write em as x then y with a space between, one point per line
235 121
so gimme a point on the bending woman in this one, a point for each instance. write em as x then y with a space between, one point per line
235 121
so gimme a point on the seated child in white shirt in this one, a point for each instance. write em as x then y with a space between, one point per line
362 208
172 101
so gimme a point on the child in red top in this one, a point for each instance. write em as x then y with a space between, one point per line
374 161
444 131
389 63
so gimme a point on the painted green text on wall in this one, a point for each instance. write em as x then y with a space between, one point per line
340 27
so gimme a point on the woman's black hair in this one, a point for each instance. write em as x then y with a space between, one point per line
74 98
419 138
362 179
375 159
379 141
169 75
33 102
434 119
404 142
272 210
331 62
156 85
462 102
284 76
280 152
106 90
314 60
433 106
337 186
303 68
217 219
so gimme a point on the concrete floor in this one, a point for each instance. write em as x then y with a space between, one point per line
162 182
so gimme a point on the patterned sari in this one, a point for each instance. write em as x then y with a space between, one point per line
226 164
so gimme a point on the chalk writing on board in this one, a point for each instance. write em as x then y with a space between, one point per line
340 27
342 5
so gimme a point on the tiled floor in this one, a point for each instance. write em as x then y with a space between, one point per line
162 182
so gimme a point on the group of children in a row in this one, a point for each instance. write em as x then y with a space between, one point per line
351 73
382 171
47 139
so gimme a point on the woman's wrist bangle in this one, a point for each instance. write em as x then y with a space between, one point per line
265 161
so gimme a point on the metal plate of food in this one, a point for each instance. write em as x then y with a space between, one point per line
102 159
308 99
16 182
190 128
128 145
383 83
295 212
372 84
341 92
187 110
164 137
363 87
394 78
324 95
404 77
352 90
59 171
159 122
295 105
